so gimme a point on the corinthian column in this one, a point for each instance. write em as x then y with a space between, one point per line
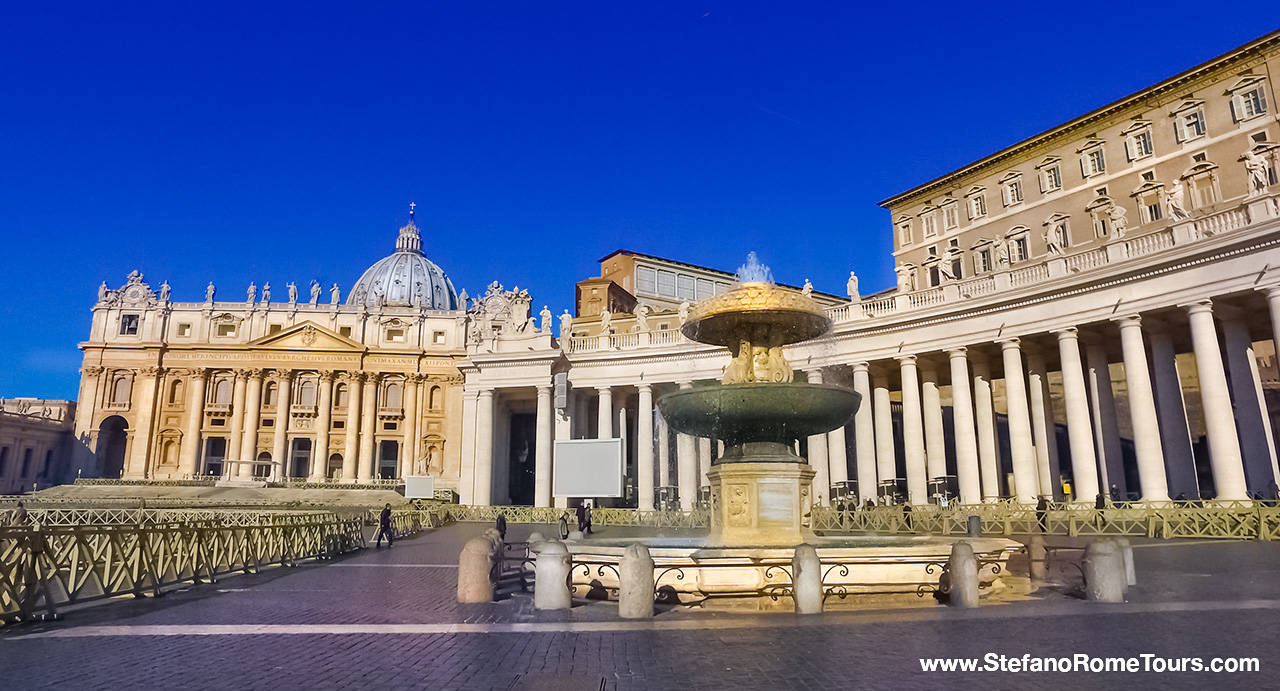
195 420
350 446
410 456
252 412
368 418
144 402
237 417
280 447
324 417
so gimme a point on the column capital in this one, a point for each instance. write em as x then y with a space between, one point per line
685 384
906 359
958 352
254 373
1069 333
861 366
1199 306
644 387
240 373
1272 291
92 370
484 393
604 389
327 375
151 371
544 389
284 376
1010 343
1130 320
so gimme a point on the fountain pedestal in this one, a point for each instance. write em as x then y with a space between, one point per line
759 504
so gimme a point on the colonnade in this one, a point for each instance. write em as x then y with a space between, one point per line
982 453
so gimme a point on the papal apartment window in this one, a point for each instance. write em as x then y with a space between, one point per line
686 287
929 222
666 283
977 206
226 330
1051 179
904 233
1018 250
1093 162
1189 124
1149 206
128 325
646 280
1250 103
950 216
1138 145
1011 191
982 260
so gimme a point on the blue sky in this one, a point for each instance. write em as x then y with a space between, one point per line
277 142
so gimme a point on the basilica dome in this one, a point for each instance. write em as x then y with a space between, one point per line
405 279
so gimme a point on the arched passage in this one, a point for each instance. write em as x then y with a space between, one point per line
113 439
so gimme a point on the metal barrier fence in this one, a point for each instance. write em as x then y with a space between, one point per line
549 515
70 556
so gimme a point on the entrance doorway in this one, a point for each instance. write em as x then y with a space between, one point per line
262 470
335 466
215 449
520 459
112 441
388 457
300 458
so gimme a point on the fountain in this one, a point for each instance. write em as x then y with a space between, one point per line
760 488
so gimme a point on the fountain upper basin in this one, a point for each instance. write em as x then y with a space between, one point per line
758 412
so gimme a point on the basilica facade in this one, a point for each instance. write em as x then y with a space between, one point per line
1079 313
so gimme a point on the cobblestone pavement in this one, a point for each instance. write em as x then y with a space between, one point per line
387 619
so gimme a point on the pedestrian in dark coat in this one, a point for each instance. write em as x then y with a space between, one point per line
384 527
582 517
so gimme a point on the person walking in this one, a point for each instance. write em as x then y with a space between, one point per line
1042 514
582 517
20 517
588 531
384 527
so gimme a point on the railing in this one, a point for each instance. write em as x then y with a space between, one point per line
624 340
1148 244
1222 222
838 314
43 568
582 344
666 337
1084 261
1232 520
1030 274
926 298
549 515
879 307
985 285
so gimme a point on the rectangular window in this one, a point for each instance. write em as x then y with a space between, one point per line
4 461
1051 179
1018 250
706 288
950 217
1249 104
275 329
217 422
1138 145
437 337
666 283
1190 125
977 206
226 330
904 233
389 426
395 335
1012 192
344 331
128 325
1149 205
686 287
646 280
982 260
184 329
930 224
1093 162
339 424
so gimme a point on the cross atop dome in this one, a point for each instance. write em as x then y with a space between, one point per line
412 206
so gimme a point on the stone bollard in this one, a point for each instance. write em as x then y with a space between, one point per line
806 580
962 567
1037 558
551 577
1126 553
534 538
975 526
474 565
1103 572
574 535
635 594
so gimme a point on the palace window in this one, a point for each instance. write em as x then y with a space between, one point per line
666 283
950 216
706 288
1011 189
393 397
1093 159
222 391
1018 249
1050 174
1248 98
686 287
929 222
1138 142
1150 207
904 233
1188 121
175 392
1202 179
269 395
340 396
982 260
307 393
977 205
121 390
646 280
128 325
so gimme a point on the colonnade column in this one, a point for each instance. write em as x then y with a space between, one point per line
913 431
191 437
409 454
604 420
237 417
818 457
144 397
484 448
704 461
962 420
644 447
1043 430
324 417
687 462
1219 419
368 418
563 423
280 445
664 452
985 417
1105 429
544 432
1026 485
1142 410
1256 445
1084 470
864 433
350 445
886 459
252 414
1175 436
935 443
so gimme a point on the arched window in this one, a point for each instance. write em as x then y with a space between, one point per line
307 393
269 394
436 399
175 392
340 396
393 397
222 391
121 389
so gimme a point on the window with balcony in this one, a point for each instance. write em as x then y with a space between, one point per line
1202 181
1019 250
982 260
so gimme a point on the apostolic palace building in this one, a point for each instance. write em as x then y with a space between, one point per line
1085 311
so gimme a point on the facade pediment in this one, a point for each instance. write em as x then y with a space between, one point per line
305 336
